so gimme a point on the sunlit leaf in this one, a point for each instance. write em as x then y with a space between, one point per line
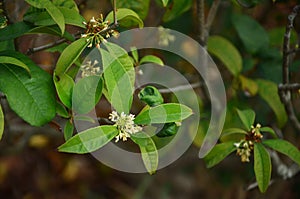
68 130
126 18
247 117
86 94
248 85
53 11
13 61
164 113
119 77
61 110
269 92
89 140
148 151
226 52
151 59
262 166
64 86
70 55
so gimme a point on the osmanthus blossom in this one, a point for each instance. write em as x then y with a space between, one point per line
125 125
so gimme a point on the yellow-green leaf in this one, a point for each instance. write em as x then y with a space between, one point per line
226 52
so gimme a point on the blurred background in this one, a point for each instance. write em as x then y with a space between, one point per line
31 167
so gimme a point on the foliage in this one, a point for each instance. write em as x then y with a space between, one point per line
249 53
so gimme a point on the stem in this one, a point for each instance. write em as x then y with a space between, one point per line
286 88
115 12
201 22
181 87
212 14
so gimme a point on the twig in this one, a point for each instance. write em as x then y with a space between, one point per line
212 14
285 88
115 12
201 22
31 51
289 87
181 87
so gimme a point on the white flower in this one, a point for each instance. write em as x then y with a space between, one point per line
90 69
124 124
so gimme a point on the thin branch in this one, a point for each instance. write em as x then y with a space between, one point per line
115 12
201 22
212 14
181 87
31 51
289 87
285 88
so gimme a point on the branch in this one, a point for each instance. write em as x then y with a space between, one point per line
201 22
285 88
212 14
115 12
181 87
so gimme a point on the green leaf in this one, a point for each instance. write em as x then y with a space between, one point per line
269 130
13 61
226 52
53 11
148 151
247 117
285 148
1 122
176 9
86 94
164 113
84 118
61 110
151 59
51 30
218 153
42 18
262 166
14 30
151 96
119 77
231 131
248 85
64 86
70 55
141 7
126 18
32 98
165 2
68 130
169 129
135 54
70 4
89 140
252 34
269 92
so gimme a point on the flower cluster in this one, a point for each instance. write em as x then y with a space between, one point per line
246 146
124 124
97 31
244 149
165 37
90 69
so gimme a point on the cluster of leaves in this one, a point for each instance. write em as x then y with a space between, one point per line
262 160
21 78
